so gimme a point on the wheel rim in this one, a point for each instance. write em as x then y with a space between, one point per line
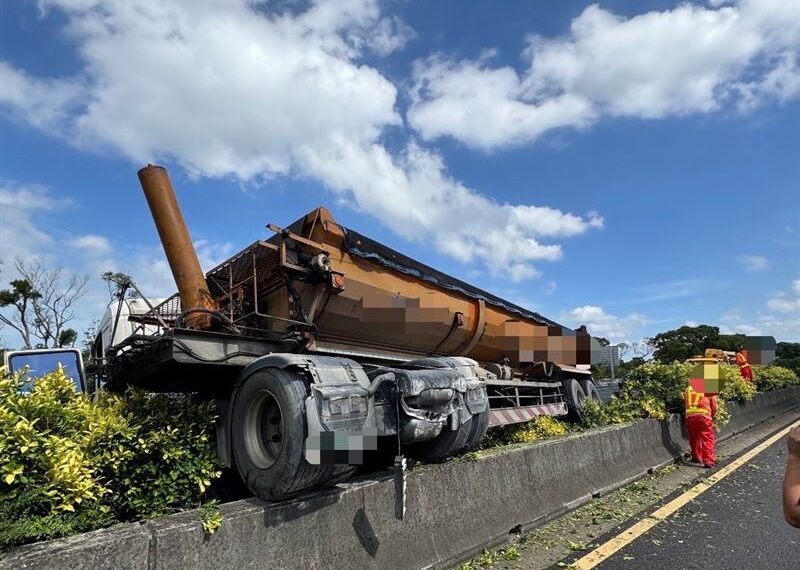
263 429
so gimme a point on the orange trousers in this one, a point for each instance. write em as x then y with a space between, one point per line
702 438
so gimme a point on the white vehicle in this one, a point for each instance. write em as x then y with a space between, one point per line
107 335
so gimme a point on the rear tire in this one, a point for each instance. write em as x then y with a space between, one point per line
574 397
591 391
269 431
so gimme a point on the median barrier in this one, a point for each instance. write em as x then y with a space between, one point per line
454 509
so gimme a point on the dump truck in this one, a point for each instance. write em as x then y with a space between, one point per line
320 345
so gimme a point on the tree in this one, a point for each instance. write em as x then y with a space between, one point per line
683 343
42 303
788 350
67 337
21 296
788 355
730 342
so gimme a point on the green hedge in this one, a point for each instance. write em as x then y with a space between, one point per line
655 389
70 464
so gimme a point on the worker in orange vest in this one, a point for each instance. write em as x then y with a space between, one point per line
745 370
700 411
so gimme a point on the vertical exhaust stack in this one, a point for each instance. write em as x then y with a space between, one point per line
177 243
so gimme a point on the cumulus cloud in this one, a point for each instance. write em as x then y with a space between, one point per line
780 318
787 303
690 59
753 262
28 214
21 208
485 107
600 323
230 89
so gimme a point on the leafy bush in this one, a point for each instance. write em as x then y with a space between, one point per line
538 428
792 364
773 377
654 389
659 386
723 416
622 408
735 387
69 464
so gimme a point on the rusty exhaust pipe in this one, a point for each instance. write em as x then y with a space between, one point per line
177 243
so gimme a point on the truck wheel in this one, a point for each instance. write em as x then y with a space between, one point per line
446 444
480 425
269 431
574 396
591 391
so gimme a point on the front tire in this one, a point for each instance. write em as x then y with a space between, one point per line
269 431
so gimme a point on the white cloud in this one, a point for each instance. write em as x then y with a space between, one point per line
669 290
753 262
43 103
780 318
787 303
93 244
391 34
21 206
485 107
228 89
600 323
690 59
27 214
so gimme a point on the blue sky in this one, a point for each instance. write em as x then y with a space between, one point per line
630 166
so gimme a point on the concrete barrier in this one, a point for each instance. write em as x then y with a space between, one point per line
454 509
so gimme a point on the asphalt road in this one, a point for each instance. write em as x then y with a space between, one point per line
736 525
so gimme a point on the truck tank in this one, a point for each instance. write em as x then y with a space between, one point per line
338 291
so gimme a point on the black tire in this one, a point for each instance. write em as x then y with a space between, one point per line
574 396
445 445
591 391
269 431
480 425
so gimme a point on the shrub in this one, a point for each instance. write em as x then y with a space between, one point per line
735 387
792 364
659 387
723 416
622 408
773 377
542 427
654 389
70 464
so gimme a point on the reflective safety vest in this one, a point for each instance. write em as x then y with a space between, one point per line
696 403
741 360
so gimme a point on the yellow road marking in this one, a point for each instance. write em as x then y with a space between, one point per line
624 538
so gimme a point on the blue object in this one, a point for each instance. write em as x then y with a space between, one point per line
41 362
